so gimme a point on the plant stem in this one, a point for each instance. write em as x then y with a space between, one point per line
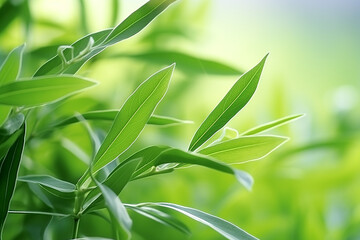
76 227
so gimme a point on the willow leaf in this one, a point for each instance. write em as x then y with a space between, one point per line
42 90
71 58
133 116
9 72
161 217
137 20
225 228
55 186
243 149
271 125
109 115
8 175
174 155
237 97
184 62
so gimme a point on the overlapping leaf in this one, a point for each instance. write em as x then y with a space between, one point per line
71 58
9 72
133 116
8 175
42 90
237 97
242 149
109 115
225 228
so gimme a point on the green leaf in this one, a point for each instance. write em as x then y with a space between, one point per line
56 64
225 228
137 20
117 210
12 124
8 174
56 186
133 116
161 217
271 125
8 142
238 96
9 72
60 202
42 90
184 62
243 149
10 69
178 156
116 181
71 58
109 115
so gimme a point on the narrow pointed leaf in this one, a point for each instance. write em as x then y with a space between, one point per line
8 174
77 54
53 185
117 210
137 20
109 115
225 228
10 69
271 125
8 142
116 181
56 65
42 90
184 62
9 72
244 149
178 156
237 97
12 124
161 217
133 116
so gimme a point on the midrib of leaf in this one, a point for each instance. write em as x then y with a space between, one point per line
8 175
127 122
126 28
34 89
234 148
223 112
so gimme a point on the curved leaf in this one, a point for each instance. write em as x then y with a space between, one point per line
271 125
178 156
8 174
42 90
9 72
137 21
116 181
225 228
55 186
55 65
117 210
184 62
133 116
8 142
161 217
237 97
109 115
12 124
244 149
71 58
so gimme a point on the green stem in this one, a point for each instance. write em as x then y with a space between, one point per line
76 227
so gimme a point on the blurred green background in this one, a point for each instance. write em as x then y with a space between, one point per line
307 189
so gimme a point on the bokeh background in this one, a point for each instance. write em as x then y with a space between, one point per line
307 189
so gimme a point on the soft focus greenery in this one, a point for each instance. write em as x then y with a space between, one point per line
307 189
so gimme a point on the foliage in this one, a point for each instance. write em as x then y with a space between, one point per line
27 107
